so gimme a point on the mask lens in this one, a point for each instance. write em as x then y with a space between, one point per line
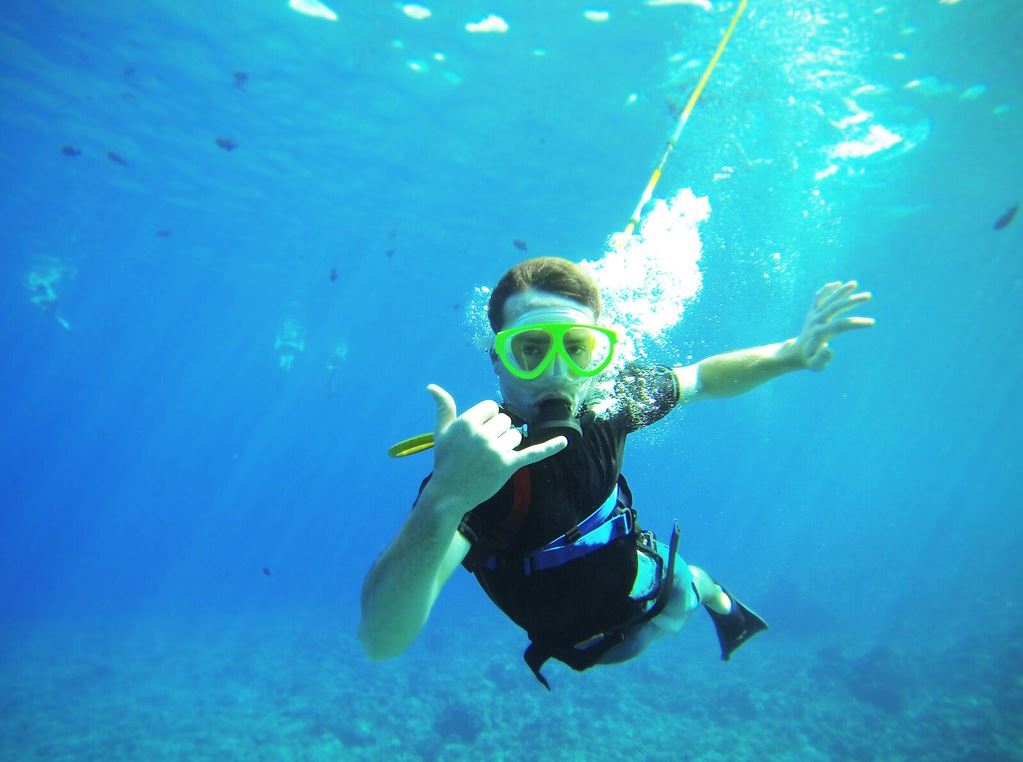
529 349
586 348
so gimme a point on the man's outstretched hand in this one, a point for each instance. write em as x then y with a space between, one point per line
823 322
475 452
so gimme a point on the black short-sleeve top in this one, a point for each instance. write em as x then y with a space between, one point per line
591 593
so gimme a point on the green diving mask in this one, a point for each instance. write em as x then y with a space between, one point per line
529 350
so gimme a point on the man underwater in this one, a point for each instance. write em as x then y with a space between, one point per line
545 520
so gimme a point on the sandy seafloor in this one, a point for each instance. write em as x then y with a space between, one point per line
292 690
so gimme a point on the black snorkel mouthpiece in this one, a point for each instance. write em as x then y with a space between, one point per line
555 419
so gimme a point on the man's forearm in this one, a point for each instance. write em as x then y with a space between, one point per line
402 585
734 373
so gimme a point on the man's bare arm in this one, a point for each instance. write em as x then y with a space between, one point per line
734 373
404 583
474 455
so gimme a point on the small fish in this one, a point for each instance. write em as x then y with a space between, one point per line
240 78
163 233
519 244
389 253
1006 218
116 158
129 72
71 151
333 274
226 143
266 571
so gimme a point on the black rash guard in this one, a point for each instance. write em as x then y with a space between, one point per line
572 602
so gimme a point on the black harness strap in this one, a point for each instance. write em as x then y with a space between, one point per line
581 656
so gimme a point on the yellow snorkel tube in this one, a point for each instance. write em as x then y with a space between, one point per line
423 442
411 446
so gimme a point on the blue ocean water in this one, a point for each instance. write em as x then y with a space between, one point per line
239 240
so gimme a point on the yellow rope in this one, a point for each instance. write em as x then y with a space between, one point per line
648 192
425 441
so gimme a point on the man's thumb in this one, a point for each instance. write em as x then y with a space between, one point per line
446 411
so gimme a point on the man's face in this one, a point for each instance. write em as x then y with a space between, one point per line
523 397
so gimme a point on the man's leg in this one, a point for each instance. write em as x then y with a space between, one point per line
682 602
735 624
633 645
711 594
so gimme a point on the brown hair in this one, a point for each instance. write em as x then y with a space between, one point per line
551 274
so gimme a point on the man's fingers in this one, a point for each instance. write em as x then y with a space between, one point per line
510 439
837 306
842 325
821 359
497 425
834 292
538 452
446 411
481 412
824 292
